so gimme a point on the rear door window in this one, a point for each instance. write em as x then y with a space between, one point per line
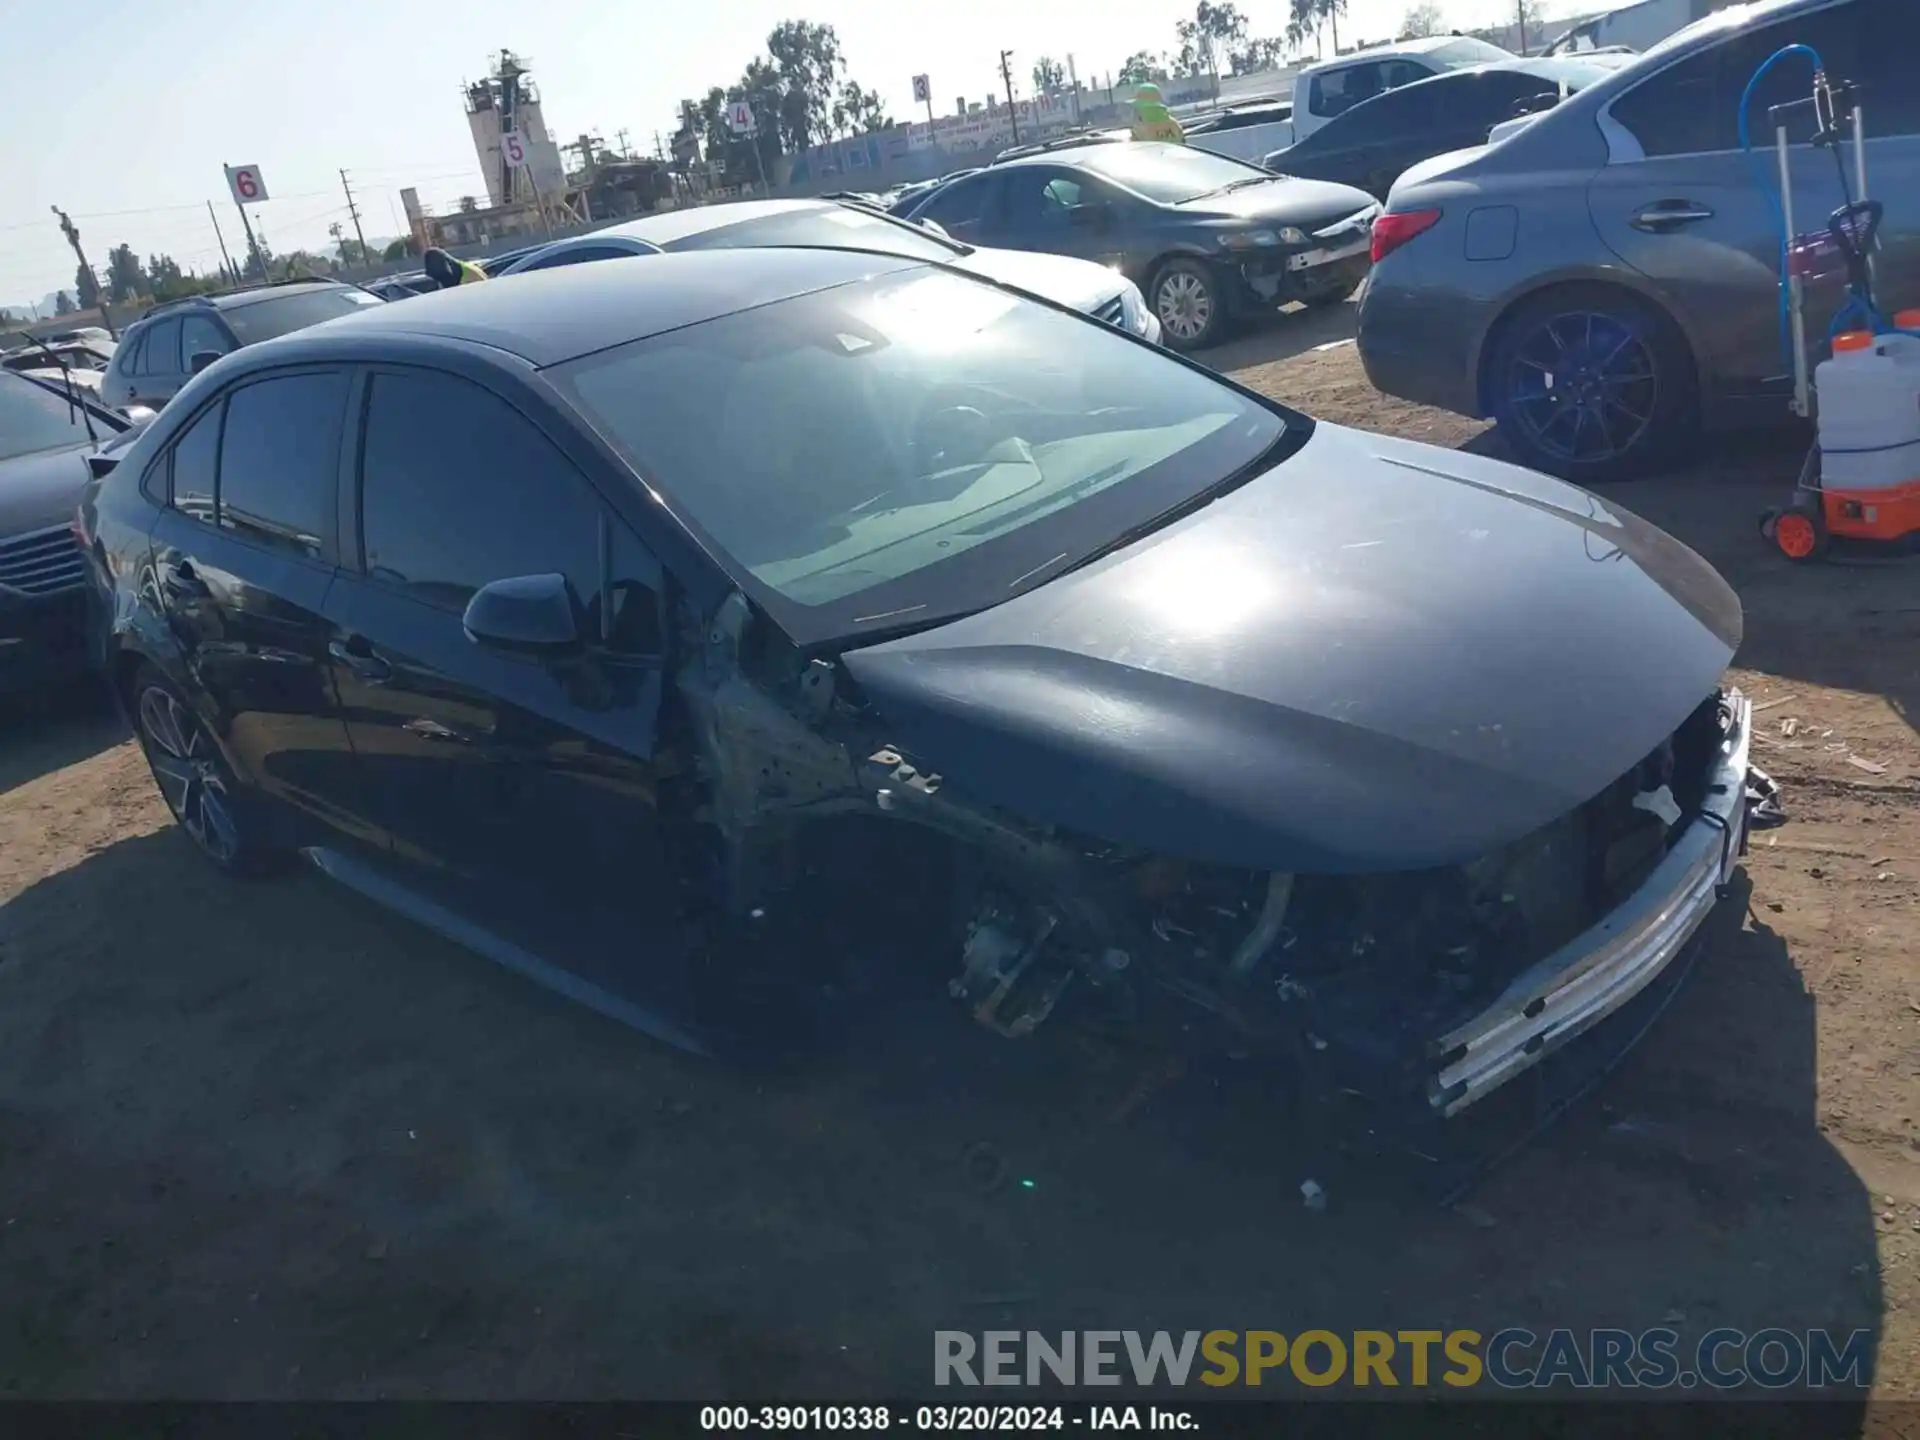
160 354
196 457
279 458
963 208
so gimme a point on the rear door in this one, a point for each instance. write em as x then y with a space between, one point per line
1697 216
244 554
519 791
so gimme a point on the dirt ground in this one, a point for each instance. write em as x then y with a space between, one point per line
266 1141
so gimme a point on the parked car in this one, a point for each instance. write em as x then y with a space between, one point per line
1372 145
79 356
47 433
906 197
1605 282
1093 289
567 615
1207 239
173 341
1324 92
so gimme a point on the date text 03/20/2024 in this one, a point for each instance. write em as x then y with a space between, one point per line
938 1419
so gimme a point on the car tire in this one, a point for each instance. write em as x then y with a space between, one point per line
1188 300
1592 384
212 808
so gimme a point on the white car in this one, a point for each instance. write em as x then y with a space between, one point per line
1092 289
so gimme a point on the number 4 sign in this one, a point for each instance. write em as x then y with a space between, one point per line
245 183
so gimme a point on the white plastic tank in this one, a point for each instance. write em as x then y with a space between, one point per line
1868 396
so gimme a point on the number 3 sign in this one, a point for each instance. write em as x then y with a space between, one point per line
245 183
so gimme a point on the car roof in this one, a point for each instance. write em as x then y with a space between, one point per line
1421 45
234 299
548 316
669 226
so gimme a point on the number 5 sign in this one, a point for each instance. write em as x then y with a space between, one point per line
514 148
245 183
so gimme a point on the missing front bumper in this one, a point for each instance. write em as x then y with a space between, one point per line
1599 971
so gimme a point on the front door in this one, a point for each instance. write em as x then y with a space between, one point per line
519 791
1058 211
244 555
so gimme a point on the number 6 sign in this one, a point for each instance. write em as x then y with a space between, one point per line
514 148
245 183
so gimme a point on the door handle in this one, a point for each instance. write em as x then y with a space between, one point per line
181 581
1670 215
357 655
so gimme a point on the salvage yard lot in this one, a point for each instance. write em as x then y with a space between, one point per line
261 1141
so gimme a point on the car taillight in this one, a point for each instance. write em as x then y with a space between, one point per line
1390 232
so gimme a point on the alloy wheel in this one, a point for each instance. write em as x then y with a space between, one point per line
1585 386
189 773
1184 304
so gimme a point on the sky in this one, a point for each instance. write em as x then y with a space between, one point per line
138 109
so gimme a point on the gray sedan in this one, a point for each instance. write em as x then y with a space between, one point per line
1604 281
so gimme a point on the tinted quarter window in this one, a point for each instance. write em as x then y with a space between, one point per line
195 456
279 458
1693 107
160 354
457 489
961 207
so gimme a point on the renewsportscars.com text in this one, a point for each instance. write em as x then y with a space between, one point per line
1509 1359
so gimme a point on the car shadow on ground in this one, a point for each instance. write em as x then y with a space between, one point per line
1850 622
40 734
1270 336
265 1141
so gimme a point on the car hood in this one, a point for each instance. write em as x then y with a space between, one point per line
37 491
1375 656
1285 200
1059 278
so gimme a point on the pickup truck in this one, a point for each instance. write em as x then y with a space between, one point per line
1331 88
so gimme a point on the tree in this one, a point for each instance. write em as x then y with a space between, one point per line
1333 10
63 304
858 111
806 70
468 204
1139 69
350 251
1303 23
395 251
125 278
1049 76
1256 55
7 317
1421 21
1212 30
87 287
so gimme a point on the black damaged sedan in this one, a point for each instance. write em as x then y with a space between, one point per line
574 617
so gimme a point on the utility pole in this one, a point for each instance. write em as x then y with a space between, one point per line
626 147
68 229
226 260
354 211
1073 79
1006 74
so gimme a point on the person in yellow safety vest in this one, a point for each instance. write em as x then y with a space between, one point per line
1152 120
447 271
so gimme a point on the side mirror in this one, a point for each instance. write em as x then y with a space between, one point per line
527 615
201 360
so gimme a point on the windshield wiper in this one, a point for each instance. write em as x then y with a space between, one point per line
74 401
1284 444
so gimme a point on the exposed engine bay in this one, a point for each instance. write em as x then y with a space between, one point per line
1375 967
